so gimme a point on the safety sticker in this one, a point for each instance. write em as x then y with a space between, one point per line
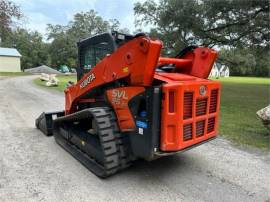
125 69
141 131
141 124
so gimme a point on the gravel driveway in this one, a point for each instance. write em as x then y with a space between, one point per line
34 168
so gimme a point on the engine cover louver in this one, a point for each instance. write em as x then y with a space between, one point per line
200 128
211 124
187 132
201 105
188 100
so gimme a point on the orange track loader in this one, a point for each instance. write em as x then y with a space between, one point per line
130 103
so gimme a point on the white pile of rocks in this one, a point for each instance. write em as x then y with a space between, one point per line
50 78
264 115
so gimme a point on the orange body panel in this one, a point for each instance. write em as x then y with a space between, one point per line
194 117
202 62
135 61
190 102
119 98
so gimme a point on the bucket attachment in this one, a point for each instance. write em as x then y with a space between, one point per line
45 121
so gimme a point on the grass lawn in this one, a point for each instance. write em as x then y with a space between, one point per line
13 73
62 82
240 100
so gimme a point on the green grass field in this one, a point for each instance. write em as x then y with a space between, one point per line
241 98
245 80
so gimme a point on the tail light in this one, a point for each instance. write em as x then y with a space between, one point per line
171 102
213 101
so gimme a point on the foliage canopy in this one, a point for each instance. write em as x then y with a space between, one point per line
239 29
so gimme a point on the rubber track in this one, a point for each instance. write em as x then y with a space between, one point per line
114 149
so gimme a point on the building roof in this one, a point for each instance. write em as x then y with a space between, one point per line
11 52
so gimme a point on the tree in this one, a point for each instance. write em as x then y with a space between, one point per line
169 21
116 26
8 11
87 24
233 25
208 22
236 23
246 61
63 49
33 50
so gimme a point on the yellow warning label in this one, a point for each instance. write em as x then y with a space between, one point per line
125 69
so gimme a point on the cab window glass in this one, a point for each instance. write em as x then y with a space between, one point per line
94 54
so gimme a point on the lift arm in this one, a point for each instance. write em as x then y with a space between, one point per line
135 61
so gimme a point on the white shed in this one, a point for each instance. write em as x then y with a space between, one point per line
224 71
10 60
219 70
215 71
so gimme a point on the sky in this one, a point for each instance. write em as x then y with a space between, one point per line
39 13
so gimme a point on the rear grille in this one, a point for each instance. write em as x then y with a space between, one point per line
201 105
213 101
196 123
200 128
211 125
188 99
187 131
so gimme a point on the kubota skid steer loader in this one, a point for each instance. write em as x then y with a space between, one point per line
130 103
